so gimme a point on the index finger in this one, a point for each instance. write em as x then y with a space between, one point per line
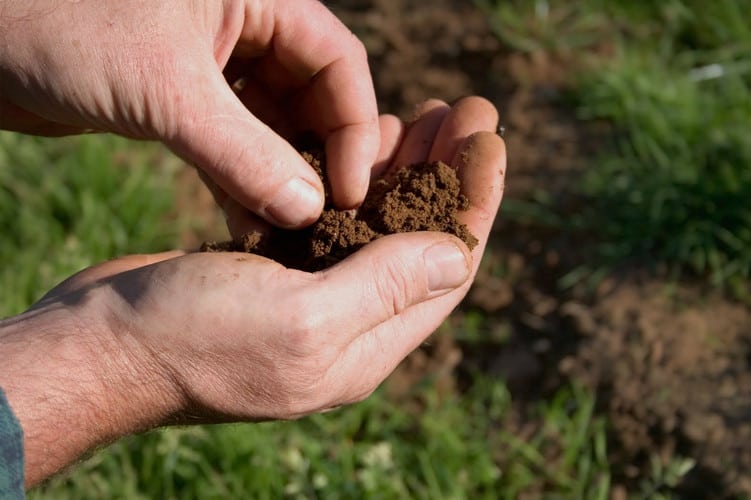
331 65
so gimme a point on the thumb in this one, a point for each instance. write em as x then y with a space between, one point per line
364 306
386 277
242 155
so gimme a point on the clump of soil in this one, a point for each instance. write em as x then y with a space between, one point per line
421 197
672 378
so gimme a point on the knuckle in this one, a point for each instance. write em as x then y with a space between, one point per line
394 284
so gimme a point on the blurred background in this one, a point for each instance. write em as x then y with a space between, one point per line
605 349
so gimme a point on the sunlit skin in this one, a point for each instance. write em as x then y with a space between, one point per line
145 341
155 71
151 340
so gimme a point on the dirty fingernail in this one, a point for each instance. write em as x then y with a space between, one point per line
447 266
296 202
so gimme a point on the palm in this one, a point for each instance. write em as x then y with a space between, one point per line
449 135
289 312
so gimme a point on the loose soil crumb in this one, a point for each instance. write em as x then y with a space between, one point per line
660 397
421 197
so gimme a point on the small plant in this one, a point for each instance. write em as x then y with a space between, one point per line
664 478
567 456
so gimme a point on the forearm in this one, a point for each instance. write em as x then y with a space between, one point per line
72 387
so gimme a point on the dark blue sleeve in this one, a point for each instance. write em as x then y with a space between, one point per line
11 453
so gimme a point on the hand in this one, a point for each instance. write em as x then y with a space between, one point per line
224 337
153 70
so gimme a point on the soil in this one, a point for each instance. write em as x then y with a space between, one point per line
670 363
421 197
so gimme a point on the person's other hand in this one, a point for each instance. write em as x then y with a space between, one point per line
228 336
153 70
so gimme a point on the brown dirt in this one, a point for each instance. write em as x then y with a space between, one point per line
420 197
671 371
670 363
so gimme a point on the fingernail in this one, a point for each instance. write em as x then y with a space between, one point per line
296 202
447 266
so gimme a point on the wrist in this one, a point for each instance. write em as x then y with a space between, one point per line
73 384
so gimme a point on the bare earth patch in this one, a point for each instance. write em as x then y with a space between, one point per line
671 370
671 364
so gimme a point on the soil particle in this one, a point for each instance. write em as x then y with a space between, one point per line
672 380
421 197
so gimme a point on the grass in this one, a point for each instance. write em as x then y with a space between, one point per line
677 190
68 203
567 456
670 188
434 448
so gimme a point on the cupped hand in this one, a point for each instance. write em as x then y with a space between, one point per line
154 70
242 337
173 338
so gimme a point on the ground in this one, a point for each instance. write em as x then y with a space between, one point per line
669 362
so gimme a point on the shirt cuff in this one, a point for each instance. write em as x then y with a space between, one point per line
11 453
